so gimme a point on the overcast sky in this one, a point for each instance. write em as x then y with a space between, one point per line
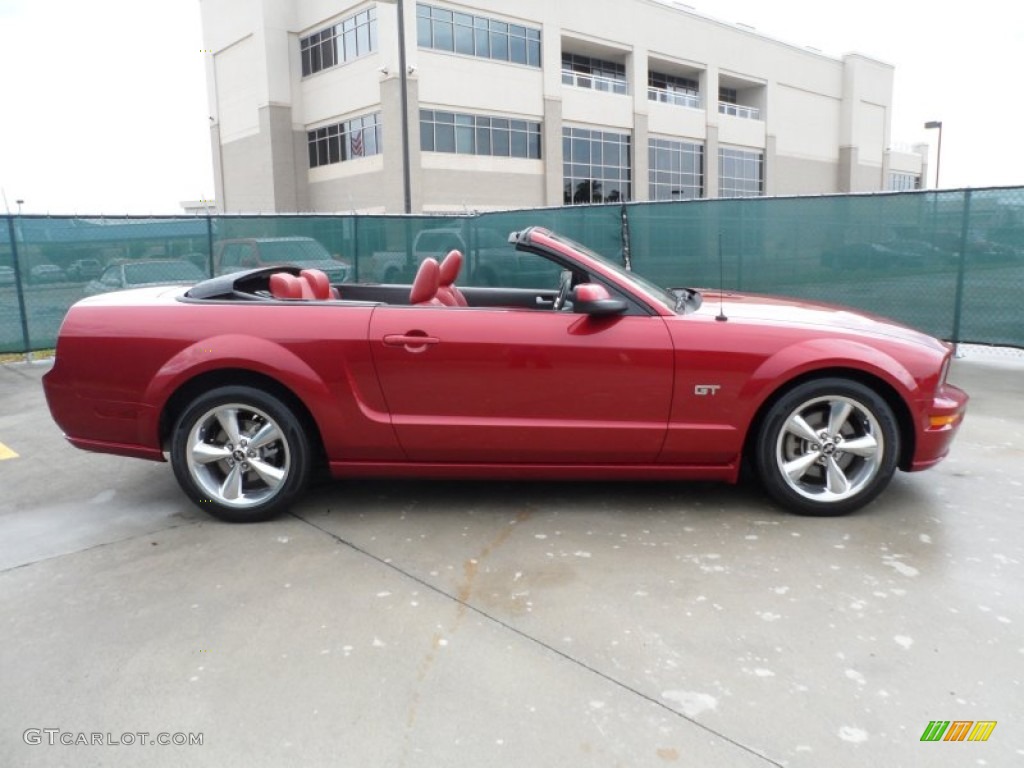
105 110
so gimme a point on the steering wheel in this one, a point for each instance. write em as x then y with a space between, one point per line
564 287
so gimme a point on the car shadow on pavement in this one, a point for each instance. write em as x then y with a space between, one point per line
582 497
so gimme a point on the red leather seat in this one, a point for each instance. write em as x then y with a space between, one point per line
447 292
319 284
424 287
286 286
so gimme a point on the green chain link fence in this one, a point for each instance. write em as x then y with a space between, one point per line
950 263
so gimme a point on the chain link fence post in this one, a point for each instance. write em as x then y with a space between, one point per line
209 243
958 302
19 286
356 254
627 256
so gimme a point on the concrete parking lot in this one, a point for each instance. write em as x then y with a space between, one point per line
502 624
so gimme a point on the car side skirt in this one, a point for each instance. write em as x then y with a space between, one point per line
727 473
118 449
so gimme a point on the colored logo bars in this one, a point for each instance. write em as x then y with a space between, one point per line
958 730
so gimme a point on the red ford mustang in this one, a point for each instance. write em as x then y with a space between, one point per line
246 382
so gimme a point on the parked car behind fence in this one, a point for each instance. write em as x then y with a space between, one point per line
135 274
239 254
84 269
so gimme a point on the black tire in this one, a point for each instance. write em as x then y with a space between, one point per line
830 471
391 275
240 482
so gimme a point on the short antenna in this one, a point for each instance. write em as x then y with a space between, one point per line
720 317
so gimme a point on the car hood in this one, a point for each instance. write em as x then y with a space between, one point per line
798 313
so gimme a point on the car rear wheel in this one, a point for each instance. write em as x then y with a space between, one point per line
240 453
827 447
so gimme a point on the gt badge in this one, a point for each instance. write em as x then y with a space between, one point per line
703 390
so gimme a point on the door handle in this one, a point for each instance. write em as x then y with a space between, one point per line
540 301
412 341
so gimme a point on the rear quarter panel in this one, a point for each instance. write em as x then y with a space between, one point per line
119 361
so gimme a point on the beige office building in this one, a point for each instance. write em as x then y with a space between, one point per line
532 103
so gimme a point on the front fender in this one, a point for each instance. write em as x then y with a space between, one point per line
803 357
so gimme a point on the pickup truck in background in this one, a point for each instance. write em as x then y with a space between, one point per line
490 260
238 254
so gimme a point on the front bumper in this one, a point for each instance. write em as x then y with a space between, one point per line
937 425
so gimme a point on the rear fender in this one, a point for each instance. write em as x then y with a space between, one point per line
235 351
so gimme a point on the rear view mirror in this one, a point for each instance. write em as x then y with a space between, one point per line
595 300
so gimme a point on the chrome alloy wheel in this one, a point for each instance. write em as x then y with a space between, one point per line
829 448
237 455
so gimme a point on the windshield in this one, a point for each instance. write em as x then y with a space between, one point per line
293 250
641 284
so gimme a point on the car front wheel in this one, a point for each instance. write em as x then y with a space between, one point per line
240 453
827 447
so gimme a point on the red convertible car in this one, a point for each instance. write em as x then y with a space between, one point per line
247 382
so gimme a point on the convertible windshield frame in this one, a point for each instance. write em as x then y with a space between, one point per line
638 283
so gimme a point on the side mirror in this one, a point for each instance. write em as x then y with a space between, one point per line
594 300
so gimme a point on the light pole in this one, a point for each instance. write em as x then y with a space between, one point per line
403 78
19 204
938 153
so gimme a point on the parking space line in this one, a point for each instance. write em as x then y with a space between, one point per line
6 453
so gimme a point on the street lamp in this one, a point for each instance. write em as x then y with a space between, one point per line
938 154
19 204
403 77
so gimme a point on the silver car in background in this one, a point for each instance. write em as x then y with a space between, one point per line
136 274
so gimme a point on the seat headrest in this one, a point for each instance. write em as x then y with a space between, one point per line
286 286
424 287
450 268
318 282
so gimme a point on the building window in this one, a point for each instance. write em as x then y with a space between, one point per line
740 172
348 140
478 135
902 182
596 167
445 30
676 170
585 72
673 90
340 43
